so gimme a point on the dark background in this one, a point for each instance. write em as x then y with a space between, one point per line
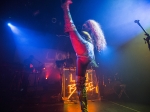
127 55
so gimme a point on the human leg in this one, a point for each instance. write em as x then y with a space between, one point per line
69 25
82 64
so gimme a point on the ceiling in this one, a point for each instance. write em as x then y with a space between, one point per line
42 15
46 16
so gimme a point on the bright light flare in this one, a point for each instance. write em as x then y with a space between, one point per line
13 28
9 24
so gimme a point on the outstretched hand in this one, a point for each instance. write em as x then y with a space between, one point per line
94 64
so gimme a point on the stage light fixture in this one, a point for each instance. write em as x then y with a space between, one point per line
13 28
9 24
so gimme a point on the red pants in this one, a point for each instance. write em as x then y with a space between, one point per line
79 46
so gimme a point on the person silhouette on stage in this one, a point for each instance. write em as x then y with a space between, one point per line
83 44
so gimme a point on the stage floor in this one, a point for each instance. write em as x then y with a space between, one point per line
93 106
49 101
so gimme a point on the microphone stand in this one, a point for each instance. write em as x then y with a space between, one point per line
148 36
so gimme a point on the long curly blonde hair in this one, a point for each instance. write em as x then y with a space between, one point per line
97 35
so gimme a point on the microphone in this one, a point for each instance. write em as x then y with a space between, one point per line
136 21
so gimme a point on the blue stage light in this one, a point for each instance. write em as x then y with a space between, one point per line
13 28
9 24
